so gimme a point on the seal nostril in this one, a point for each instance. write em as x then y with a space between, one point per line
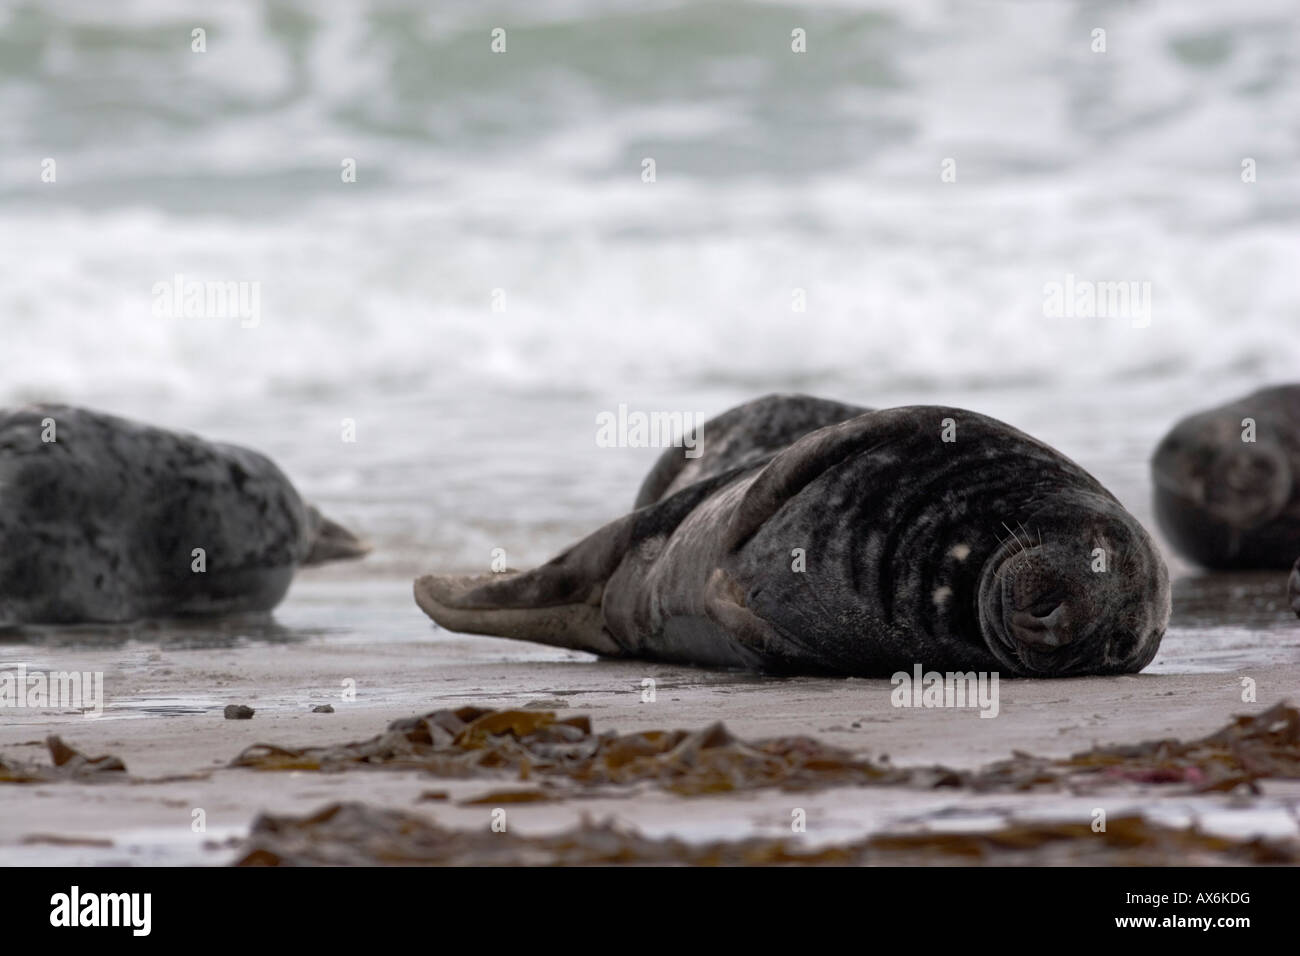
1044 608
1042 630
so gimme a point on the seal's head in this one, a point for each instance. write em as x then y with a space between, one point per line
1205 466
1080 590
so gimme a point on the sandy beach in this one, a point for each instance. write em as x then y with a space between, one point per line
166 694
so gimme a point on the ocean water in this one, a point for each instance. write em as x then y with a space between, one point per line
500 272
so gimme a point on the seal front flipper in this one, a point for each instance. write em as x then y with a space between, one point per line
756 643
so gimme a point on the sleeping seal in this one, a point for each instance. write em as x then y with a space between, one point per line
102 522
1226 494
814 537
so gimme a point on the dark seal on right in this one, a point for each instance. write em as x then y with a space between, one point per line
1226 490
817 537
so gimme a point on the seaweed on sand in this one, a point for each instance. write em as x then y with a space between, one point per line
358 834
69 763
472 742
566 752
1241 753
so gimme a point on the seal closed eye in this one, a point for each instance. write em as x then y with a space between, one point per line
816 537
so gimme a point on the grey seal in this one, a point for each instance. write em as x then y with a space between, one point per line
989 552
101 523
1224 500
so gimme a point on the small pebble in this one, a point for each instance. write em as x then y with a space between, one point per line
238 712
323 709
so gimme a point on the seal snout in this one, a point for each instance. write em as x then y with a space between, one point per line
1035 608
1037 613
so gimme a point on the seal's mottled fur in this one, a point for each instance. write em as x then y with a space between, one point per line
101 524
992 552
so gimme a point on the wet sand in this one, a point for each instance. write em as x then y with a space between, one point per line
166 688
